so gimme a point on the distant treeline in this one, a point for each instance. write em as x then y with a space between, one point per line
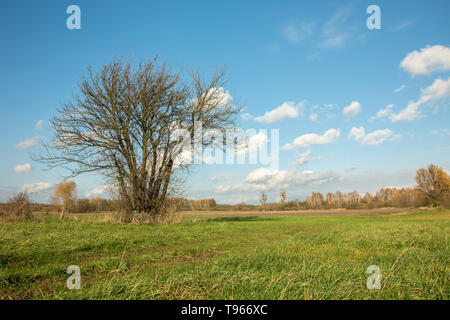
386 197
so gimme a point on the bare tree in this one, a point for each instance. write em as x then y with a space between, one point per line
330 199
315 201
65 195
283 197
433 181
339 199
122 124
368 197
263 200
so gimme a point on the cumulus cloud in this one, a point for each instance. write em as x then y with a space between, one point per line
35 187
98 191
27 143
222 96
267 179
427 60
216 178
323 111
22 168
306 140
438 90
253 143
400 88
373 138
286 110
352 109
303 157
383 113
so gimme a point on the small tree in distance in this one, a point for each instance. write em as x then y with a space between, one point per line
433 181
283 197
263 200
65 195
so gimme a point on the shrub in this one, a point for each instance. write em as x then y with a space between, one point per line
445 199
168 213
17 209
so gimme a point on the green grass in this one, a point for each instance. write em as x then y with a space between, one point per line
229 258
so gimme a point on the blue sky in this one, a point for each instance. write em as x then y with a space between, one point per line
312 58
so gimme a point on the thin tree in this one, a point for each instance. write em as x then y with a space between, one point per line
433 181
122 125
65 195
263 200
283 197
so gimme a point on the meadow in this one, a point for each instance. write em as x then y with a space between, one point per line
229 257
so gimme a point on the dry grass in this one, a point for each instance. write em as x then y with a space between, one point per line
18 209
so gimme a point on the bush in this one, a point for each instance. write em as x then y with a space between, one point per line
17 209
168 213
445 199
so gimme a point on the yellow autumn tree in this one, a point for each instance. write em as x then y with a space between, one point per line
64 195
433 181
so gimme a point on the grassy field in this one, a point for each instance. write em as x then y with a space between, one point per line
230 257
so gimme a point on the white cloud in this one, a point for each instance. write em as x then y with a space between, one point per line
374 138
39 125
303 157
286 110
98 191
383 113
23 168
222 97
438 90
442 132
35 187
352 109
322 111
287 146
253 143
428 60
216 178
356 133
400 88
27 143
306 140
246 116
266 179
260 175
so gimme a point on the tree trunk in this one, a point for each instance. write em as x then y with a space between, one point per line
61 216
